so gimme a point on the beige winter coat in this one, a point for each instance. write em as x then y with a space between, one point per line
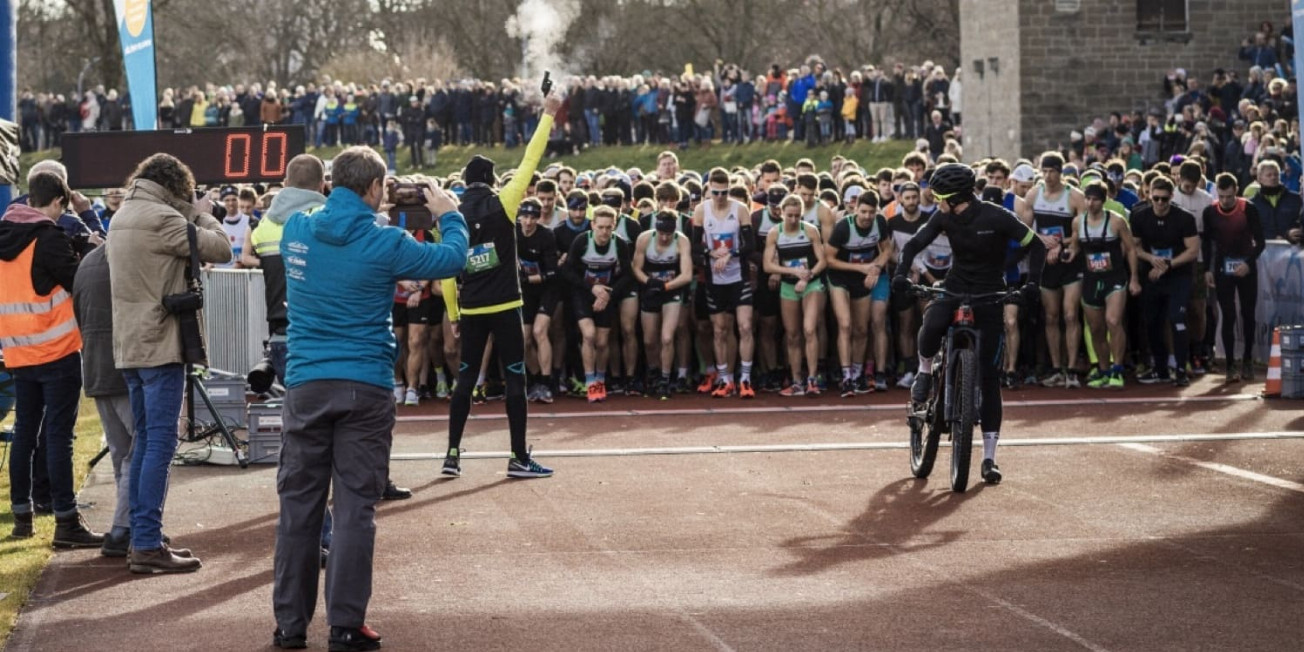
148 255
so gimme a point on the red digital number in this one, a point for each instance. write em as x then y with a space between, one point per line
270 150
232 172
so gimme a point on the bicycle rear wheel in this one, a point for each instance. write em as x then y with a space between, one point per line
966 397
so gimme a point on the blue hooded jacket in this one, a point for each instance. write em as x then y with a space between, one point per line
340 270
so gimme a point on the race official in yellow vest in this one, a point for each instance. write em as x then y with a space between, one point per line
42 348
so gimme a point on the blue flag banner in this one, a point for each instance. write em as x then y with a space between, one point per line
1297 21
136 31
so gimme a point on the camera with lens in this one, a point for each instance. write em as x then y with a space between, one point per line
184 302
408 210
261 376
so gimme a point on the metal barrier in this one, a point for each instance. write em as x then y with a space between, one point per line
235 318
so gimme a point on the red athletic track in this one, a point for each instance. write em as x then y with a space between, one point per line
1084 546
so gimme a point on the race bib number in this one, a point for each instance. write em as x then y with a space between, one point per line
861 256
529 268
723 241
796 263
481 258
1099 262
598 277
665 275
1053 231
1166 254
1230 265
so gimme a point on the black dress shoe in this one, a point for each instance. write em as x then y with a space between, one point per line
289 641
116 546
393 492
350 639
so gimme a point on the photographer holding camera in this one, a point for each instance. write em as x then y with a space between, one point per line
156 331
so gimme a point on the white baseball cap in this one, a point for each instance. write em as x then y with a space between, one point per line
1023 174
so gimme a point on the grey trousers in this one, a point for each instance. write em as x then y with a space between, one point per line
119 433
335 433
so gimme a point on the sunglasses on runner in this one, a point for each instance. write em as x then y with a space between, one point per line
717 192
1161 199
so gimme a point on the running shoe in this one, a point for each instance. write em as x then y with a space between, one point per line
441 389
1007 379
452 463
663 390
745 389
617 387
527 469
1181 379
594 394
682 385
478 395
907 380
1116 379
577 387
423 392
1056 379
635 387
1199 365
880 382
494 391
1153 377
822 381
1247 370
793 389
1098 379
863 385
990 472
412 398
848 388
813 388
708 383
724 390
545 394
773 382
399 394
532 396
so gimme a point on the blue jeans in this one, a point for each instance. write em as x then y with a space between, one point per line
47 396
595 129
156 394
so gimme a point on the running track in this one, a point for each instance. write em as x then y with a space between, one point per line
1139 520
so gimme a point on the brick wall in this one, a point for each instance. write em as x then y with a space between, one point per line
1060 70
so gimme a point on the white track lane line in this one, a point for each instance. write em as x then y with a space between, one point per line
1121 440
1219 468
536 413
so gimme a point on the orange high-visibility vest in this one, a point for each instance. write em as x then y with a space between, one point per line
34 329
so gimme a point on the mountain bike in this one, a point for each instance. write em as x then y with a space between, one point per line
956 397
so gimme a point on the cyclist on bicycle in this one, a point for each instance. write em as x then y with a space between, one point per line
979 233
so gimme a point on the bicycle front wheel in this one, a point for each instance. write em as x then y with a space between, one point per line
966 397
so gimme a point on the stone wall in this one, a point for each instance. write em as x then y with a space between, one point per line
991 103
1080 65
1060 69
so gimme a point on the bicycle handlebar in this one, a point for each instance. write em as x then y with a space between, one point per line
926 292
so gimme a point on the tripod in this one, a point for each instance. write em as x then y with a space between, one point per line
195 385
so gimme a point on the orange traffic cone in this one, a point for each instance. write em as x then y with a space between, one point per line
1272 386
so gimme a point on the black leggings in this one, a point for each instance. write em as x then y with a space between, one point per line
509 342
1228 289
1164 303
990 320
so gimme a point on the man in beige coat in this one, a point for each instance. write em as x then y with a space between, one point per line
149 253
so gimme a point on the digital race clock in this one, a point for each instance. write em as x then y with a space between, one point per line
215 156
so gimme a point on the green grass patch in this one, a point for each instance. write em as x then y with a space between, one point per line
449 159
23 560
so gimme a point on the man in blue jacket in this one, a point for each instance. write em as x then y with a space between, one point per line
340 270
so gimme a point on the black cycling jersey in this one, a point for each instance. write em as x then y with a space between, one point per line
537 255
979 239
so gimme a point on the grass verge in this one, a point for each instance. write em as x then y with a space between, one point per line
23 560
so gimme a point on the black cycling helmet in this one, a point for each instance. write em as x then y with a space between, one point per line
953 182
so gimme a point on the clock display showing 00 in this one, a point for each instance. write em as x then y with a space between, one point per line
215 156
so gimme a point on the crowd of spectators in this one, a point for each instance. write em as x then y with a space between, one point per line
811 102
1232 123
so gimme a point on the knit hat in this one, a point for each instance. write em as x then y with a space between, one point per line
479 170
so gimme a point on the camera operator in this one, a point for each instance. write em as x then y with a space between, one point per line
149 261
339 415
42 348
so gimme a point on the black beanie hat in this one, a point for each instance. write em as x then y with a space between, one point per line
479 170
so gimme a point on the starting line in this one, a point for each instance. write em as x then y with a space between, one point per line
798 409
863 446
